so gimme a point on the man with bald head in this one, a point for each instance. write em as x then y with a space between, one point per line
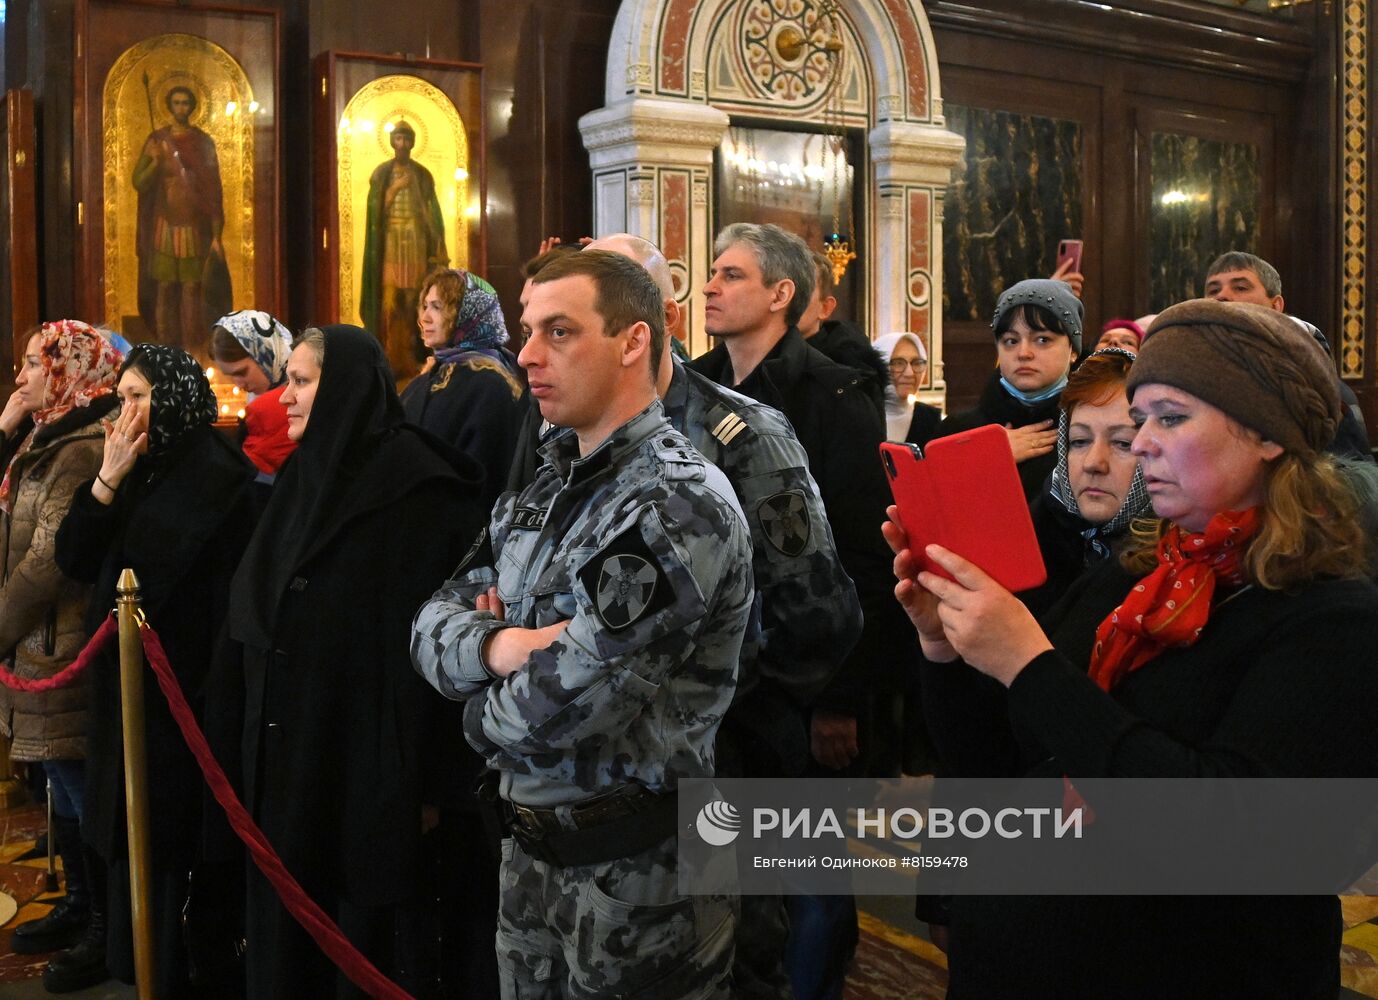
809 616
648 255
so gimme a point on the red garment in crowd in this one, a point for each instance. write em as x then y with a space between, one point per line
266 443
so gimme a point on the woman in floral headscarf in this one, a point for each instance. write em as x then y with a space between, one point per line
469 397
52 445
171 500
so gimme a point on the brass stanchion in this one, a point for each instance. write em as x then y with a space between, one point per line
50 879
135 778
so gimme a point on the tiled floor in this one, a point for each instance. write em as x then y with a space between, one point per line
24 882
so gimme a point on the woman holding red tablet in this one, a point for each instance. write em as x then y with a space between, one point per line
1232 639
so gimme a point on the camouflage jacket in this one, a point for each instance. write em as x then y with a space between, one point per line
809 613
642 547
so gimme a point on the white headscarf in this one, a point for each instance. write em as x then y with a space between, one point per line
267 342
898 412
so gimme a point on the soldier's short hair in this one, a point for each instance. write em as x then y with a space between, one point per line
779 254
823 270
449 285
191 96
624 293
1238 260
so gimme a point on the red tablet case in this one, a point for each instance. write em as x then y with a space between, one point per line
964 494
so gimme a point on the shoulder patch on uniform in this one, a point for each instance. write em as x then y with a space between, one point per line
679 461
728 428
785 518
528 518
625 582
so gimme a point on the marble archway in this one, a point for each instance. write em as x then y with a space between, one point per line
677 68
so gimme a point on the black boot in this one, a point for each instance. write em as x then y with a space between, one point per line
64 924
84 965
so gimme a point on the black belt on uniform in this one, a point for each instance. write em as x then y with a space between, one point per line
608 828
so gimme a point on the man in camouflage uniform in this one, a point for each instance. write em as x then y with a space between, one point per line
600 656
808 613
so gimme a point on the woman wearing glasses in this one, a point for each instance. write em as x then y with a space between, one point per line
906 419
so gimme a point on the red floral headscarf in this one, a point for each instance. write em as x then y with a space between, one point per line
80 365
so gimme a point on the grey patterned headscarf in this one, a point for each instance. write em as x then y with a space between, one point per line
263 338
1136 501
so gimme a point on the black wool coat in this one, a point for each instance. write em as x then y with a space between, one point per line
342 740
182 530
924 424
997 406
474 407
848 346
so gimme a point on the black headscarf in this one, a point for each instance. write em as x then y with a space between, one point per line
355 410
181 399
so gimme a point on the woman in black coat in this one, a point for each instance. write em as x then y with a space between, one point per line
1037 327
1244 652
171 502
470 396
342 744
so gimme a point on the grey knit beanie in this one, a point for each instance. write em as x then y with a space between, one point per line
1054 296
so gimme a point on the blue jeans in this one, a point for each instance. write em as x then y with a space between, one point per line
822 939
67 786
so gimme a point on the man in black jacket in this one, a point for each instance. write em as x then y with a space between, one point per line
762 280
838 339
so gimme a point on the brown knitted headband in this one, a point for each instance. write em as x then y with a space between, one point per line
1257 365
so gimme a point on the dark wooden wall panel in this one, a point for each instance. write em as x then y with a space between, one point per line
18 208
1122 71
544 69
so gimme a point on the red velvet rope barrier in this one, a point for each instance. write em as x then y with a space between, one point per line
68 673
361 972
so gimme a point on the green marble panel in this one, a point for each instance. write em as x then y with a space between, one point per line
1020 193
1205 200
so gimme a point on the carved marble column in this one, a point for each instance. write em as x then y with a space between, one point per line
652 161
912 167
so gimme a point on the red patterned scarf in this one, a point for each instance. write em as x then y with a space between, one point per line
1171 605
80 365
